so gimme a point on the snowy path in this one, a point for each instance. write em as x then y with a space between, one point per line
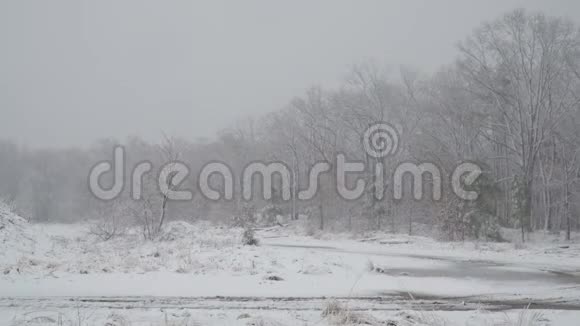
375 303
458 268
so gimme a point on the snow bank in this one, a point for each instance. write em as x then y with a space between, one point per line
182 248
17 238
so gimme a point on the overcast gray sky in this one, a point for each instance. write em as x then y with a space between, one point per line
75 71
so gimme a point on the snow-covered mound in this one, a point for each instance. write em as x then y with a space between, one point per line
177 230
17 237
183 248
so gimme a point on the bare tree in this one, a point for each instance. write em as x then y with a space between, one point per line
170 155
525 68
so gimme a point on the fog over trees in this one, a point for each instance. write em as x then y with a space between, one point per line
510 103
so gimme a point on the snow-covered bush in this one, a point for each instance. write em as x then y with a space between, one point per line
249 237
269 215
108 228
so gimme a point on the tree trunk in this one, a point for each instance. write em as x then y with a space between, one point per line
162 217
526 214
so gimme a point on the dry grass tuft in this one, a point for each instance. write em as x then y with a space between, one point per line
526 317
336 313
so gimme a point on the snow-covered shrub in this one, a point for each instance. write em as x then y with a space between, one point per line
177 230
471 220
108 228
111 221
459 221
249 237
245 217
269 215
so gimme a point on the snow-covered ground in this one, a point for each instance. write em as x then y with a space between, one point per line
202 275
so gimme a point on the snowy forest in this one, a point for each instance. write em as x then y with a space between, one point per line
510 102
445 193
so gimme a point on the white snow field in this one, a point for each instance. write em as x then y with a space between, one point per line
201 275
